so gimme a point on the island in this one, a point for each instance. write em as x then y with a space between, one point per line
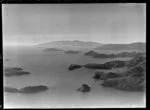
74 66
33 89
72 52
26 90
91 53
10 89
14 71
52 49
84 88
13 68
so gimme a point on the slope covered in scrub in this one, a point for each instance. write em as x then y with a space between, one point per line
133 79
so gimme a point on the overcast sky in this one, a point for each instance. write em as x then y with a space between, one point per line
104 23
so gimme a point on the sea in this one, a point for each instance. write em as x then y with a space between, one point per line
51 69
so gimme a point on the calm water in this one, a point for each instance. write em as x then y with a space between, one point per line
51 69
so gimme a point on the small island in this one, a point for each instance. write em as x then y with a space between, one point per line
33 89
28 89
52 49
84 88
72 52
74 66
91 53
14 71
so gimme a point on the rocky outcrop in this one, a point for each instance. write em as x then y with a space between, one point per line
115 64
72 52
136 60
133 79
138 69
107 65
29 89
96 66
104 76
125 83
74 66
84 88
111 64
15 71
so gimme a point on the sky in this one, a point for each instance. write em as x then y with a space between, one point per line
29 24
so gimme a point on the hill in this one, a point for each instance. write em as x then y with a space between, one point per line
133 79
76 44
133 46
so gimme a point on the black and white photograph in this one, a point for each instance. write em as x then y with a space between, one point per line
74 55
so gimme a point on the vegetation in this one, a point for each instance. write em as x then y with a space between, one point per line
133 79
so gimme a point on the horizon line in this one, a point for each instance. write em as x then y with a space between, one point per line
16 44
92 41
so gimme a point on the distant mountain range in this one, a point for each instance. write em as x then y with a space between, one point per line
76 44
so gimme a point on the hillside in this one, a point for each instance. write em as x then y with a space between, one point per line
122 54
133 46
133 79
